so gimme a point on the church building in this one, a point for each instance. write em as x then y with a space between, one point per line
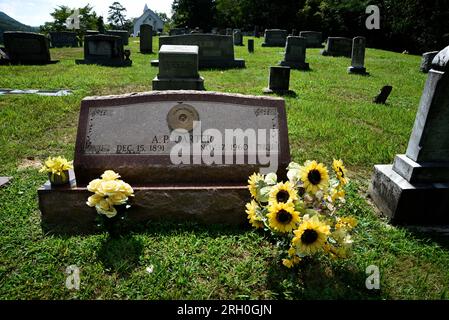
148 17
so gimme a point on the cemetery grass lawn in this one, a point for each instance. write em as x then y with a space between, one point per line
331 116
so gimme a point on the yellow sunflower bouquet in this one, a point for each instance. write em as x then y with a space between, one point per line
302 212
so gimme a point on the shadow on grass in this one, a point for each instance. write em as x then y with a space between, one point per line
155 228
428 234
316 280
120 255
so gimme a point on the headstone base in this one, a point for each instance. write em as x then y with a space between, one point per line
64 209
295 65
273 45
280 92
421 172
324 52
219 64
107 63
178 84
357 70
406 203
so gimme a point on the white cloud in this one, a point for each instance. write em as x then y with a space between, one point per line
37 12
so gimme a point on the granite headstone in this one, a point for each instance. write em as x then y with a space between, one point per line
135 135
178 69
295 53
215 51
275 38
415 189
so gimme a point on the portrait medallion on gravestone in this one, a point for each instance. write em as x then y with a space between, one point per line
182 116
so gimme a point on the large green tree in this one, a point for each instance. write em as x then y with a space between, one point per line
194 13
117 16
87 19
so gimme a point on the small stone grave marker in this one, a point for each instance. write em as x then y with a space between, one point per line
383 95
295 53
178 69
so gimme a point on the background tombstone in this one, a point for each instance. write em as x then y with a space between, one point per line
415 189
314 38
358 56
383 95
105 50
27 48
178 69
91 32
61 39
215 51
250 45
426 61
294 33
238 37
146 38
295 53
4 181
121 33
229 31
275 38
131 135
338 46
279 80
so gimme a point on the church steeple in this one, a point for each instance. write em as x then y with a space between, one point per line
146 8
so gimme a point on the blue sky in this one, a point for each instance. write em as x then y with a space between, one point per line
37 12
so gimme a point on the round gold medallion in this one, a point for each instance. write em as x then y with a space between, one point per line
182 116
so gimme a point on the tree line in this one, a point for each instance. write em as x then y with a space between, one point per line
413 25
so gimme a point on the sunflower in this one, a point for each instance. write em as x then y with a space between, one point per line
347 223
340 171
289 263
311 236
283 217
283 193
252 183
251 211
314 176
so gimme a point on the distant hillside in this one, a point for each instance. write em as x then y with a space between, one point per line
9 24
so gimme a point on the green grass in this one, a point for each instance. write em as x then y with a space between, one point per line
331 116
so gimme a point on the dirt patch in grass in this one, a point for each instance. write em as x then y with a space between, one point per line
29 163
